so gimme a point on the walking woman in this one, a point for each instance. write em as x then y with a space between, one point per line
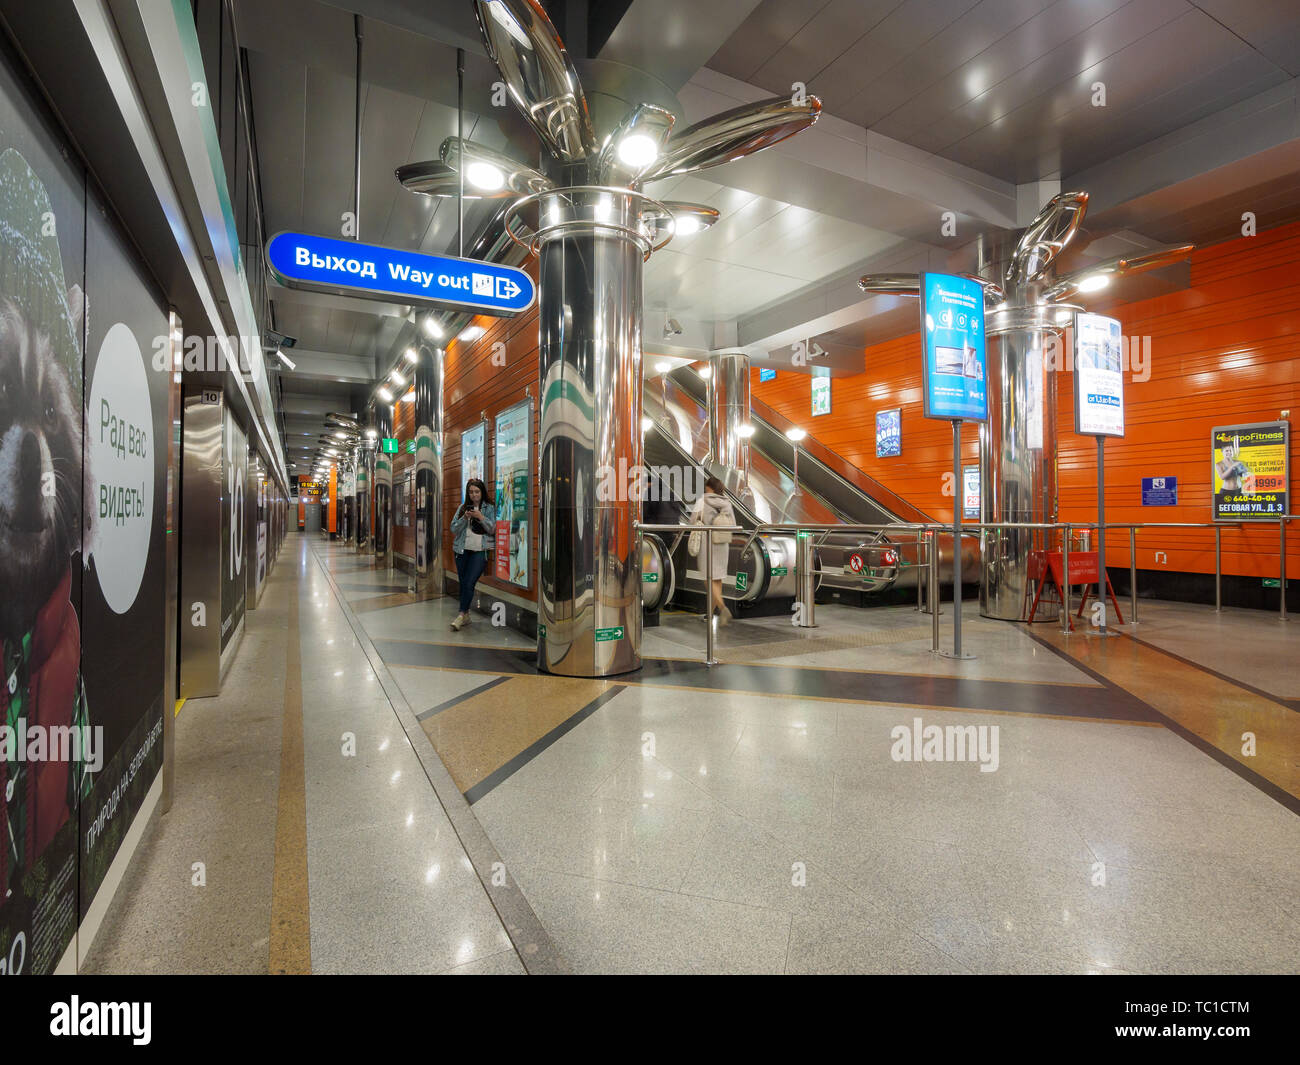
472 539
714 508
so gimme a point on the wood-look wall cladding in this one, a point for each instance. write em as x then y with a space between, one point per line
1224 351
474 387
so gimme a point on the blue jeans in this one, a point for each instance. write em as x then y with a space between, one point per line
469 568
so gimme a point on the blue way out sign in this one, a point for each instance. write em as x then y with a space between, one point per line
350 268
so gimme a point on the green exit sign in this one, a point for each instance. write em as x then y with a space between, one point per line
779 571
389 445
742 581
602 635
1272 582
650 578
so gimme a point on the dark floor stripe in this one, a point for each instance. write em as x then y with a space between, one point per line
903 689
1273 791
447 704
505 772
1290 704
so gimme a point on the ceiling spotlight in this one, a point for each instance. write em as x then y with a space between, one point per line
745 431
663 366
411 355
686 225
432 328
637 151
396 377
796 434
1094 282
485 176
286 360
471 333
384 394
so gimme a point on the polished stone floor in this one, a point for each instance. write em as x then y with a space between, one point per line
675 826
760 815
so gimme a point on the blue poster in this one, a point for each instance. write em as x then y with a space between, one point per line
952 332
889 433
1160 491
767 375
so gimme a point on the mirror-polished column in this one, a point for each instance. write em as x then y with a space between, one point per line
428 469
589 601
383 485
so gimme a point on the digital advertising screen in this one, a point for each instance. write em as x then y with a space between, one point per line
970 483
514 438
821 394
1251 470
955 371
889 433
1098 376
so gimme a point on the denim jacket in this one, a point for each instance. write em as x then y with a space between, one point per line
460 526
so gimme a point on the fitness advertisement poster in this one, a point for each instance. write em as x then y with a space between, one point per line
1251 470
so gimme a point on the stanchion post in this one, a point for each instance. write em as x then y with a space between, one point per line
707 548
1132 576
919 540
1065 583
1281 558
933 593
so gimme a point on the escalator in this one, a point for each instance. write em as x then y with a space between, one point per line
830 491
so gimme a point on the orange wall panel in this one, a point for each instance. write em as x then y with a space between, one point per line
1224 351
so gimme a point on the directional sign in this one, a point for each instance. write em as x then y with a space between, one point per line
389 445
350 268
609 634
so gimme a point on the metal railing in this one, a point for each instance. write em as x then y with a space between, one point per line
927 542
706 549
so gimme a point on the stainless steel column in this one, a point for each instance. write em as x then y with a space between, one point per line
365 476
383 485
428 469
805 560
1017 469
589 598
729 390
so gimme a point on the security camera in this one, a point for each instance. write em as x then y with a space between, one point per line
672 328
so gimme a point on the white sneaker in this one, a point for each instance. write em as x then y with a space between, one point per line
459 623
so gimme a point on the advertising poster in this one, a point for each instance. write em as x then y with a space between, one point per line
766 375
954 367
1251 471
124 583
821 393
889 433
42 279
514 438
234 478
471 455
1098 376
970 483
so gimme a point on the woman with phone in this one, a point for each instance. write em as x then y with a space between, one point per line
472 538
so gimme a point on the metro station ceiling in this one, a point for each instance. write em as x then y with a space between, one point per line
929 105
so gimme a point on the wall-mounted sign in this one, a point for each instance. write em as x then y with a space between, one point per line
821 392
1098 376
889 433
767 375
514 439
1160 491
970 486
350 268
1252 473
952 331
389 445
